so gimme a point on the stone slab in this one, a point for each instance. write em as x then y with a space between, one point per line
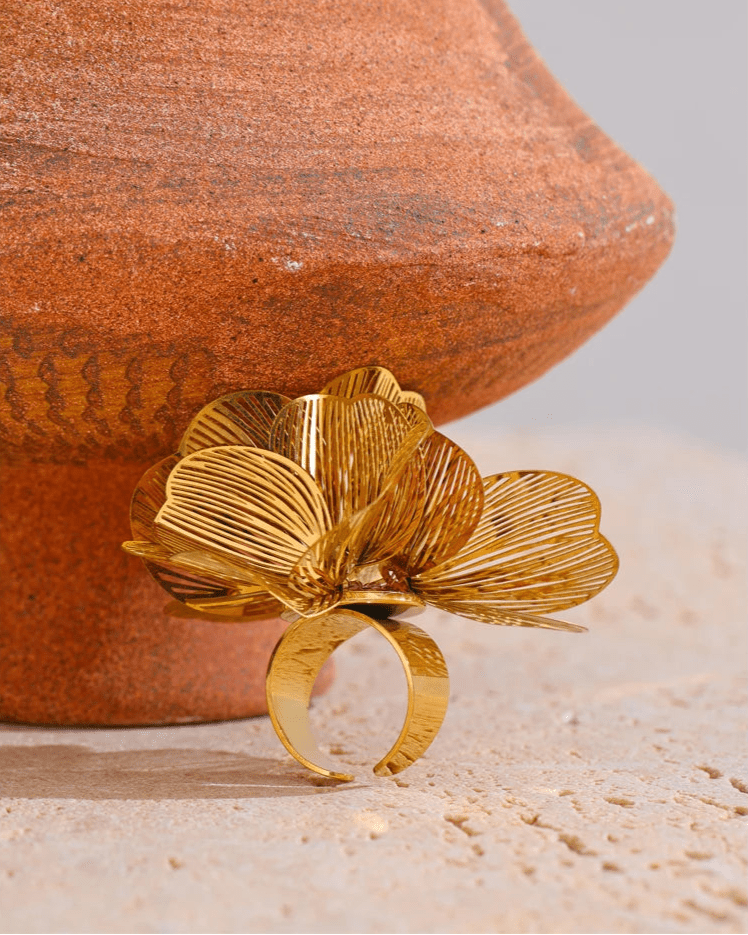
579 784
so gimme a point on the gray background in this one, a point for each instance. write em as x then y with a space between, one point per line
666 79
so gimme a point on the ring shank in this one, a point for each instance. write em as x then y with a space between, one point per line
303 650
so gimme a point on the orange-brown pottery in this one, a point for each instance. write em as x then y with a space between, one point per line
205 197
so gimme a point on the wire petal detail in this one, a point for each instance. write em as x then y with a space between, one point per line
536 550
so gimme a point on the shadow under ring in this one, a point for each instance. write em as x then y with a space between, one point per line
305 647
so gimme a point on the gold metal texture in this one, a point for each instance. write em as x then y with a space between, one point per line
349 502
536 549
303 650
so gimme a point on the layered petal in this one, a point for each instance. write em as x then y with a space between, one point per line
411 398
348 446
149 497
375 381
241 608
197 578
379 532
242 418
384 528
452 504
416 416
189 576
364 455
536 549
513 618
254 508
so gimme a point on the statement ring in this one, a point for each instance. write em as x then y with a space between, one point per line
344 509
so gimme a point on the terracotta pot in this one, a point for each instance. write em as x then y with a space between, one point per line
213 196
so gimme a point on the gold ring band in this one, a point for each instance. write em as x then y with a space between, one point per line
307 645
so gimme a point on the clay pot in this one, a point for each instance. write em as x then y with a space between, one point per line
205 197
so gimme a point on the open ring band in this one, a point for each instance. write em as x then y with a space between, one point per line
307 645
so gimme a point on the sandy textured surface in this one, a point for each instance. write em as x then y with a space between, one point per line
579 784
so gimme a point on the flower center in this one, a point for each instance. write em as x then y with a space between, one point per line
380 591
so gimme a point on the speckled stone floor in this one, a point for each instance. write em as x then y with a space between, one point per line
580 783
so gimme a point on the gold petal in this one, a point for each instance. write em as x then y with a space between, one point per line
253 507
188 560
379 531
196 575
149 497
347 445
384 529
452 504
242 418
375 381
186 585
536 550
317 578
240 608
508 618
416 416
413 399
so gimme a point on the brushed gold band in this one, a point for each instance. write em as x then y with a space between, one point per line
303 650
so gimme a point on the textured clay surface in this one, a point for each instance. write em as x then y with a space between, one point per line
93 644
197 198
210 196
580 783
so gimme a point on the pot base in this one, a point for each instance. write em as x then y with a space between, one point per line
83 636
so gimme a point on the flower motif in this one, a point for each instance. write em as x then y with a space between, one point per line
350 498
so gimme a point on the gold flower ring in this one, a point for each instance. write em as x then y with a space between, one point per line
345 509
